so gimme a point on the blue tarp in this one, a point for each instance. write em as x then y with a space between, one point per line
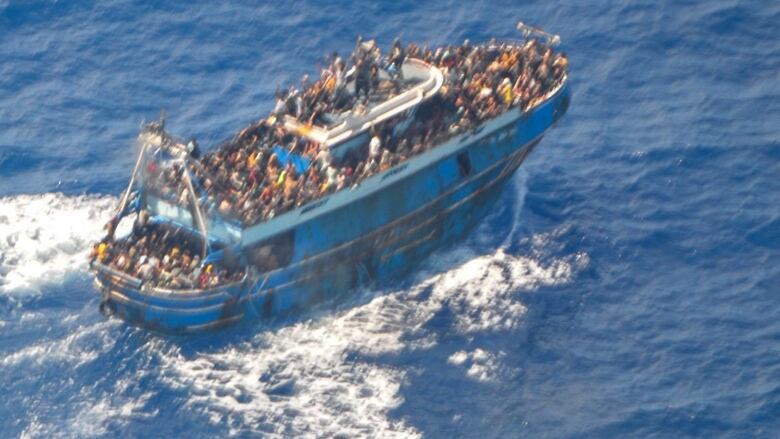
301 164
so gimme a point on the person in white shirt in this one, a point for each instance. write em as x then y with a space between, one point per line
375 146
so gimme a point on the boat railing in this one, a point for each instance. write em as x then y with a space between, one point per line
528 32
116 274
190 291
552 40
553 90
391 107
120 277
354 123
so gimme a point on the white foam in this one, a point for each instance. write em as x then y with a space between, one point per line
93 414
299 380
482 291
458 358
482 365
81 345
317 377
322 377
45 237
92 417
92 408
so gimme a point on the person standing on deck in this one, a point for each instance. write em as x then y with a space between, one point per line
362 78
396 59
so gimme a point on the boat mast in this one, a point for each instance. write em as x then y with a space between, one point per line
198 213
145 141
126 196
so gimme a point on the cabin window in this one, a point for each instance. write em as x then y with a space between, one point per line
464 163
274 252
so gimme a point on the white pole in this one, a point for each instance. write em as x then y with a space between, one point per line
198 214
126 195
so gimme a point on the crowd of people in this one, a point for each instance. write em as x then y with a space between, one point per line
162 257
246 180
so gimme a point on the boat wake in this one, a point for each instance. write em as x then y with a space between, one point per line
332 374
45 237
327 375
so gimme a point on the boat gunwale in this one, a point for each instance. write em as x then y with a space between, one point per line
122 297
159 292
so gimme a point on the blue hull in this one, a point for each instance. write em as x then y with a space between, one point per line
356 236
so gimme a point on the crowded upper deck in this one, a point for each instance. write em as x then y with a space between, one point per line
268 169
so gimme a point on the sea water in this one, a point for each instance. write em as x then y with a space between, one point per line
627 283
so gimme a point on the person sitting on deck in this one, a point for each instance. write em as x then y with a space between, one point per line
272 170
505 91
100 251
204 279
386 161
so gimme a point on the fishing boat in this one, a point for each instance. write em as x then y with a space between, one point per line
282 257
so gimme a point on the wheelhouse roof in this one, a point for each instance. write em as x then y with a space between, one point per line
425 80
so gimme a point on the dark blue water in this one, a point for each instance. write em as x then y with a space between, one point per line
627 284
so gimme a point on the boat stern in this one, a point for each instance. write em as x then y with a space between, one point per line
165 310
